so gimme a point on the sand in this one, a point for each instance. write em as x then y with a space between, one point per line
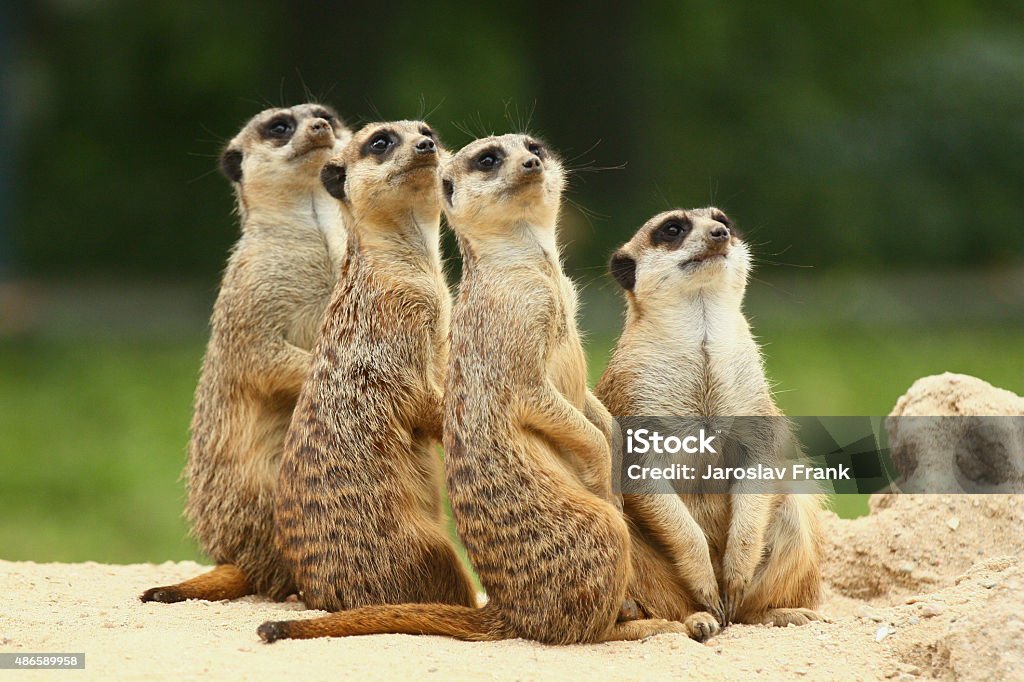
924 587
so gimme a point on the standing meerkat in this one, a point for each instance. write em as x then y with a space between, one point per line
266 317
358 510
686 350
529 474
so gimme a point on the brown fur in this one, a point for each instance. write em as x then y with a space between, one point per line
358 515
687 350
271 301
528 473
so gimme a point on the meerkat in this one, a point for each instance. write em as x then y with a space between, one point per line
358 508
266 317
529 473
687 350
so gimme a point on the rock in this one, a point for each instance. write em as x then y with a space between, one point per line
953 523
865 611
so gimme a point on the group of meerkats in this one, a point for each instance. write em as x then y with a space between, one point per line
337 362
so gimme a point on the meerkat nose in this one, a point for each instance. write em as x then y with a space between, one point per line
719 234
319 125
531 165
425 146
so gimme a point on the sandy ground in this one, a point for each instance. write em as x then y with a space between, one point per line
924 587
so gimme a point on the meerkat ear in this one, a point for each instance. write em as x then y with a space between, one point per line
623 269
332 176
448 188
231 164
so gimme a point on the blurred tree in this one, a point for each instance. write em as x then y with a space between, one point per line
852 133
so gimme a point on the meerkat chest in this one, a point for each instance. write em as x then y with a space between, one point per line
567 362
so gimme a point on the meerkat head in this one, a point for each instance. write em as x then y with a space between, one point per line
280 151
499 181
387 173
679 252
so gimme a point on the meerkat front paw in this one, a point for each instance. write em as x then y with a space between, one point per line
704 589
702 626
734 591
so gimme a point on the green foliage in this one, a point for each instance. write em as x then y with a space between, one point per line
861 134
95 431
94 437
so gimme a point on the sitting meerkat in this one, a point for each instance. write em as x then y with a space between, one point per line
358 509
686 350
266 317
529 475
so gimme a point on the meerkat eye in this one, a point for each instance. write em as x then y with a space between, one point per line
280 127
380 143
487 160
671 231
536 149
325 116
449 190
428 132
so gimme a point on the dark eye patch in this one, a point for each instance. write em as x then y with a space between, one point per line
379 143
671 232
537 149
427 131
280 128
449 190
487 159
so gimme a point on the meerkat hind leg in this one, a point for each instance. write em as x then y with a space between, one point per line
225 581
781 618
634 630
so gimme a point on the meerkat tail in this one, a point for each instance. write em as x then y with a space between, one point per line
225 581
461 622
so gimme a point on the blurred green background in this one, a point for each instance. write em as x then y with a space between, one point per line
871 152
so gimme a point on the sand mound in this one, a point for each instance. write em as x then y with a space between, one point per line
925 586
953 433
915 543
950 395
